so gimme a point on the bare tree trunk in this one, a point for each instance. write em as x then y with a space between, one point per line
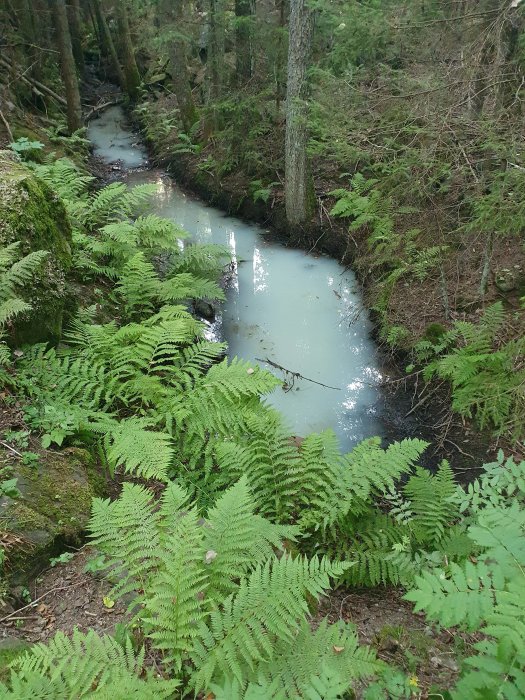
216 48
75 24
245 16
24 13
173 13
298 187
131 72
108 43
67 61
280 58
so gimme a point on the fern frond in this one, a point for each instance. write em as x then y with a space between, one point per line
332 649
188 286
148 454
431 502
268 607
174 599
11 308
79 665
239 538
127 531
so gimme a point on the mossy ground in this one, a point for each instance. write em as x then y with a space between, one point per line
10 649
30 212
54 506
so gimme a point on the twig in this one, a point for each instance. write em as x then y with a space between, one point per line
8 128
9 446
418 404
33 602
458 448
295 375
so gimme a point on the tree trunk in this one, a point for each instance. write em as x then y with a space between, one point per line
298 187
27 26
67 61
131 72
173 14
216 48
108 44
244 15
75 23
280 58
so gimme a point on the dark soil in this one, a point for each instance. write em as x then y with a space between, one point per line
64 597
401 637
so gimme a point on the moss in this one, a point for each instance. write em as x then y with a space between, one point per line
10 649
30 212
434 332
55 505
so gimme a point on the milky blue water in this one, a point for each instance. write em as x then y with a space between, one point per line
300 311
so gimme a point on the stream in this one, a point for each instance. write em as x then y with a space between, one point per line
303 312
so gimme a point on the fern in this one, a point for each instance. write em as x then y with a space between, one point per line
212 590
86 664
267 608
14 276
486 375
145 453
486 594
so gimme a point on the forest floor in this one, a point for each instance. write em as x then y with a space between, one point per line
66 596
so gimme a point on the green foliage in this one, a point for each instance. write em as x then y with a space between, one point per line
14 276
24 146
86 664
260 191
367 208
212 590
485 372
486 593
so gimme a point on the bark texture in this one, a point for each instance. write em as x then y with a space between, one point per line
131 72
244 15
67 62
216 48
107 43
298 180
173 14
75 25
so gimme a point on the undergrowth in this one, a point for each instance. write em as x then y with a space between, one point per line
223 562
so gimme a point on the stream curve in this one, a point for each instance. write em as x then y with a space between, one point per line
300 311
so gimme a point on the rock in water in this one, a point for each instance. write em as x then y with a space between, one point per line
30 212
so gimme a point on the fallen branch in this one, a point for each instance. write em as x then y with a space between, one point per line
99 108
8 447
295 375
34 602
37 86
7 127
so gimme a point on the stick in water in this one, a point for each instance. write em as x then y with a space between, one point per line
296 375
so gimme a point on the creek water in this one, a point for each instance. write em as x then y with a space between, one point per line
303 312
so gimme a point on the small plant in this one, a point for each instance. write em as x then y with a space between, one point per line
261 192
25 147
63 558
30 459
9 488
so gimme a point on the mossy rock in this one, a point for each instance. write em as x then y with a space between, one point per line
30 212
53 509
10 649
508 280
